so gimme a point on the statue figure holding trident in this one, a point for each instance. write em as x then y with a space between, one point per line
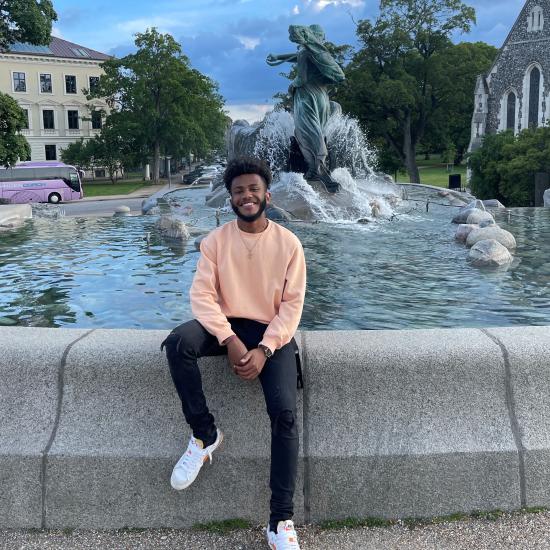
316 71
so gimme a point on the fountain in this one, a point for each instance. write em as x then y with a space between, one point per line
321 160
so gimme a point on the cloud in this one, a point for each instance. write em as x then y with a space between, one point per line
252 112
56 32
319 5
164 23
296 10
249 42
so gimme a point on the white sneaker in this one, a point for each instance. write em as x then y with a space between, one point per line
189 465
285 539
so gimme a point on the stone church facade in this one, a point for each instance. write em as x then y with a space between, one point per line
515 94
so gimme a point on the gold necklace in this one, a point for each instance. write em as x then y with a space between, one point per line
251 249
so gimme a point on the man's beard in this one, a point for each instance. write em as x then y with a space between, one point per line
254 217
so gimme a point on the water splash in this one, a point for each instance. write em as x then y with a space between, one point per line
348 146
358 199
273 139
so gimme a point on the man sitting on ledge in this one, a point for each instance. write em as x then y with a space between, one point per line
247 298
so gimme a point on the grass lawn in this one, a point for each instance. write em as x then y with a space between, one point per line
434 172
125 187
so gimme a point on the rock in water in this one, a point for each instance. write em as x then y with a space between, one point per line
122 211
463 214
489 253
477 216
463 230
494 232
172 228
493 203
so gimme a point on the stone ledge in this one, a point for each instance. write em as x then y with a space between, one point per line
395 424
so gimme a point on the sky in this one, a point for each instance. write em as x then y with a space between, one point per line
228 40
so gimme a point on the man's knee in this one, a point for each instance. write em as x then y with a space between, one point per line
181 340
284 423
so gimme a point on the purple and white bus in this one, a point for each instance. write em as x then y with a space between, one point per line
40 181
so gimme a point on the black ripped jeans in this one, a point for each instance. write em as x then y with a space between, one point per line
189 341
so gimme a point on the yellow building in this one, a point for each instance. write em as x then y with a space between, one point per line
47 82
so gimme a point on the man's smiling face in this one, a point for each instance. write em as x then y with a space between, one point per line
249 196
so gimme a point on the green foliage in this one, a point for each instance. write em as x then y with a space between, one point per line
393 81
13 145
223 527
77 154
26 21
161 104
457 68
504 167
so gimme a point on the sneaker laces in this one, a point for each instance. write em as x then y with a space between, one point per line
287 537
194 455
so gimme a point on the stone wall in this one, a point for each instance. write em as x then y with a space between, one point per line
410 423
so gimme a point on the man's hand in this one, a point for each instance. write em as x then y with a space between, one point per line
236 350
250 366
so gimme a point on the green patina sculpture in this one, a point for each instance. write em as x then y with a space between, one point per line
316 71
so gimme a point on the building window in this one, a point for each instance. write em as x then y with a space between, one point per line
534 92
96 120
51 152
535 20
48 119
73 120
26 116
19 82
70 84
46 83
511 111
94 83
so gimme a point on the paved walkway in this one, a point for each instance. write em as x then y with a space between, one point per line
142 192
510 532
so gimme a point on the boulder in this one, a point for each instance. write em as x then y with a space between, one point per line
464 212
277 214
122 211
463 230
489 253
486 222
493 203
172 228
477 216
492 232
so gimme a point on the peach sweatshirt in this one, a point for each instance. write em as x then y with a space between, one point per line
269 287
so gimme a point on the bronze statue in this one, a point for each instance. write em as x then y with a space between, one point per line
316 71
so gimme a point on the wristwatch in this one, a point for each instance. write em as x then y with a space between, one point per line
267 352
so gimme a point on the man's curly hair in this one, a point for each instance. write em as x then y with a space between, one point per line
246 165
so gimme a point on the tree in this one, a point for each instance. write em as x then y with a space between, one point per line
160 104
77 154
26 21
391 83
13 145
450 124
504 167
